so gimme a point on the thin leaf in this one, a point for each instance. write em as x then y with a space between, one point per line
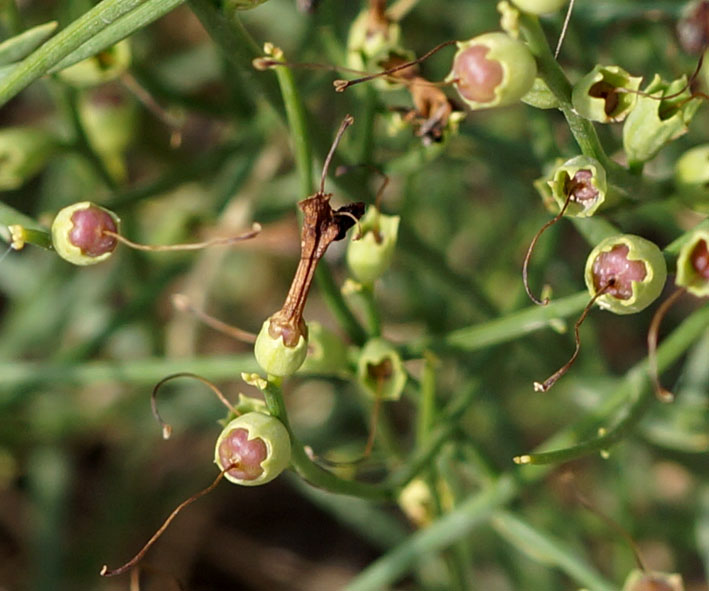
20 46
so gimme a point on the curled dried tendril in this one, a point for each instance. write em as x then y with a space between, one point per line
255 230
553 378
528 256
342 85
662 393
166 428
688 86
183 303
107 572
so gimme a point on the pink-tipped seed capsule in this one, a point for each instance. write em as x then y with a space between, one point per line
79 233
628 271
492 70
256 445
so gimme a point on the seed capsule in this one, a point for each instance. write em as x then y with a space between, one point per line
596 96
581 180
257 445
630 270
78 233
370 255
492 70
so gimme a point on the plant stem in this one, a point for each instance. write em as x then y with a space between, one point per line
480 507
300 137
63 43
636 384
442 533
305 466
143 15
548 550
68 97
17 374
500 330
582 129
227 31
426 413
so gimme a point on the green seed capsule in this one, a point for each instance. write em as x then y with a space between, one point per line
596 95
274 356
582 180
78 233
693 264
380 370
370 255
692 169
257 444
492 70
629 270
656 121
327 354
373 44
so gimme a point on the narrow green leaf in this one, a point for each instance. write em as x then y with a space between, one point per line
546 549
20 46
122 28
62 44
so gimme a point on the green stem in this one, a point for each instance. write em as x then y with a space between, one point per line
479 508
40 238
143 15
426 413
227 31
305 466
549 70
68 97
63 43
442 533
295 114
371 314
582 129
16 374
636 384
501 330
337 305
321 478
544 548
